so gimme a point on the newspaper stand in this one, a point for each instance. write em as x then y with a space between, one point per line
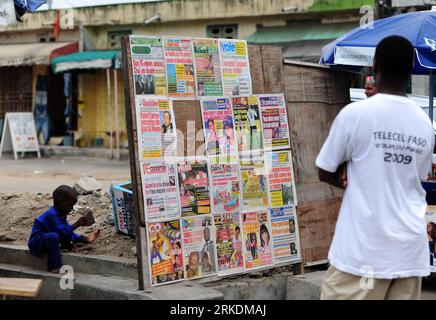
124 213
314 95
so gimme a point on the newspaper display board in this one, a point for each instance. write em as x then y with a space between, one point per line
281 182
224 184
235 67
430 216
179 62
122 204
148 66
199 249
253 182
275 126
165 253
230 254
156 127
248 126
207 68
284 226
159 184
256 235
233 210
219 131
19 134
194 193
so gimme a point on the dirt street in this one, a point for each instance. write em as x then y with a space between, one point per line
25 192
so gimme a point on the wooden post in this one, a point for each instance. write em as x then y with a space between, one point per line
138 204
117 116
109 96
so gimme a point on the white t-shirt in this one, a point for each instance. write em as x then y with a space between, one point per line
388 142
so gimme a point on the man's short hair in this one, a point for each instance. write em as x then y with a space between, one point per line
394 58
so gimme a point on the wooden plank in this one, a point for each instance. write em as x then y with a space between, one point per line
314 96
272 60
190 139
20 287
256 69
138 203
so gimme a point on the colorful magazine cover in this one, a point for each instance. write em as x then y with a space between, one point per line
224 184
165 254
198 246
159 185
253 182
193 177
207 67
230 255
430 216
156 128
274 122
284 226
281 182
257 239
179 62
219 131
248 126
148 65
235 67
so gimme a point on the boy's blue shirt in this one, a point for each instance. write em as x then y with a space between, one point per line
51 221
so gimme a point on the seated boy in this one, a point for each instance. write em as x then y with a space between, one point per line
51 230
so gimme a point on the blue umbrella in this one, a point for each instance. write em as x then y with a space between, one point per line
357 48
22 6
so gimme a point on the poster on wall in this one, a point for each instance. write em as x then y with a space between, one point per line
284 226
257 239
148 65
235 67
179 63
193 179
159 185
219 132
430 216
248 127
253 182
281 182
165 255
275 127
207 67
230 254
156 127
198 246
225 184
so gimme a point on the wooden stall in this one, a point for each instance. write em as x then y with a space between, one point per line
314 96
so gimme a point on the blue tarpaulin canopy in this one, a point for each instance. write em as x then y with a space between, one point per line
357 48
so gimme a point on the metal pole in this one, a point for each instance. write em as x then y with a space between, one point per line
108 76
431 95
117 122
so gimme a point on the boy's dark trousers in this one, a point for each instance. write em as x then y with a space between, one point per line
51 244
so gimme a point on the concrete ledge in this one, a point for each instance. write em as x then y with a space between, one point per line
307 287
96 287
103 265
246 288
65 151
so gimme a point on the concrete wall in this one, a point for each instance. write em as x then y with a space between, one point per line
170 11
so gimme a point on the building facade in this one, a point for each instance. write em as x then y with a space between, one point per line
79 103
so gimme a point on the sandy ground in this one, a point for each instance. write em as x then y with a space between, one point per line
25 192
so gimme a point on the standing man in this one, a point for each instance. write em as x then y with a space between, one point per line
370 87
379 150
